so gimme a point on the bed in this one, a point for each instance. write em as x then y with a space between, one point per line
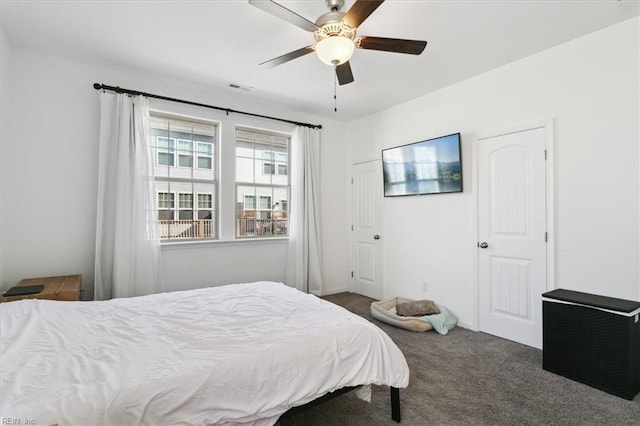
233 354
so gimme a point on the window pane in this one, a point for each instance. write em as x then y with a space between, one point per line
185 161
185 145
185 214
205 162
165 214
205 148
268 169
249 202
166 200
163 201
283 163
244 149
244 170
261 178
185 153
205 201
185 201
265 202
164 143
179 170
165 159
205 214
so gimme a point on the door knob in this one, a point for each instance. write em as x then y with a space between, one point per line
376 237
483 245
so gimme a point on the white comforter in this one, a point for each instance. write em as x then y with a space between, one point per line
241 353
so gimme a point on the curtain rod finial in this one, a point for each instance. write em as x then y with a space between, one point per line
97 86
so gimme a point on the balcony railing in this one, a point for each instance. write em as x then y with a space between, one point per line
249 227
185 229
203 228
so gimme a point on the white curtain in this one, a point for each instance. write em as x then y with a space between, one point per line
304 255
127 244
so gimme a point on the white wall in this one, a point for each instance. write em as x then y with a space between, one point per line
590 87
49 133
5 60
49 167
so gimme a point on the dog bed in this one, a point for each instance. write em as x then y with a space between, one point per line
385 311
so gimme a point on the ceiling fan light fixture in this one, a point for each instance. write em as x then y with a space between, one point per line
335 50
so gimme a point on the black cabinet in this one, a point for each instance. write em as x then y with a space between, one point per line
592 339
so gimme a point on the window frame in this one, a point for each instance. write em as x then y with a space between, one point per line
216 158
169 151
198 155
172 203
258 210
276 162
175 176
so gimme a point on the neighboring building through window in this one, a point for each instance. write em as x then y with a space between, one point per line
184 156
275 163
262 183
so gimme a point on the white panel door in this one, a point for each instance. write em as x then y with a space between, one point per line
512 258
366 241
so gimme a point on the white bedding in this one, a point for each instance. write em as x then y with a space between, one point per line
241 353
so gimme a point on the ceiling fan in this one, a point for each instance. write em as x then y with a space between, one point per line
335 35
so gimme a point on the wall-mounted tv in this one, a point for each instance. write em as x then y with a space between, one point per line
432 166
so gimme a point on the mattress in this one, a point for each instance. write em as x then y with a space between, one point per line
234 354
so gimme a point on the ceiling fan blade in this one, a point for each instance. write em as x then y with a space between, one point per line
360 11
412 47
344 74
288 57
282 12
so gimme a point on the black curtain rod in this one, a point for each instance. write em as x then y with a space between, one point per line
99 86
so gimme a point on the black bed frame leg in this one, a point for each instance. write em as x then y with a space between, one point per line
395 404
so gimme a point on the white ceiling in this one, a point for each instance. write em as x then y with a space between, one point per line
214 43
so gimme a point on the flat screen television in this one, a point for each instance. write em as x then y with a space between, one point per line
432 166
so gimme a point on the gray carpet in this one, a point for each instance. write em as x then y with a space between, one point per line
470 378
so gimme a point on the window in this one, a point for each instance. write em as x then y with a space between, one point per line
249 202
166 205
185 206
275 163
204 155
205 206
184 152
165 148
262 183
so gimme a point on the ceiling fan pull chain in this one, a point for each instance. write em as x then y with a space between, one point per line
335 91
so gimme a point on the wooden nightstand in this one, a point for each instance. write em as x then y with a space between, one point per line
67 287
